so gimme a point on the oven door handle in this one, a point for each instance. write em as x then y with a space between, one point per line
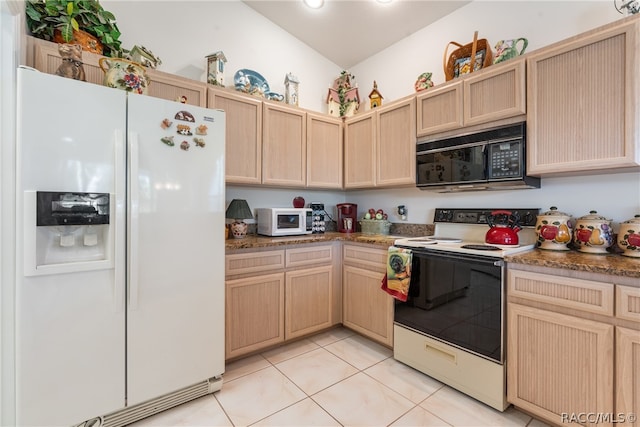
496 262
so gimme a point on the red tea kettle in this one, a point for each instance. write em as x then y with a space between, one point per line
503 229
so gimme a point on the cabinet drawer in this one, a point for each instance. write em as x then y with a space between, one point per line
358 255
585 295
309 256
253 262
628 303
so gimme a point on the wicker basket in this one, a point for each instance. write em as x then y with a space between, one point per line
375 226
469 51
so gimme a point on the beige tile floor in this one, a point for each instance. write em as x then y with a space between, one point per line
335 378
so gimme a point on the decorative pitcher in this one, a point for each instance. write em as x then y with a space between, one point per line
123 74
507 49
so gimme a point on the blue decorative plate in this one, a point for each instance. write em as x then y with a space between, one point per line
252 82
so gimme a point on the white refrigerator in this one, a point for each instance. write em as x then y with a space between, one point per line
120 252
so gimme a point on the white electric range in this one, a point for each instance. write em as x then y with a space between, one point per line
452 325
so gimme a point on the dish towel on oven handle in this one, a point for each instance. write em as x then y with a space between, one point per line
396 281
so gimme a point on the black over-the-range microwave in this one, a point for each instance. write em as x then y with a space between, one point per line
492 159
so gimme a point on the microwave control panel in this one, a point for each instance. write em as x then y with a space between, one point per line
505 160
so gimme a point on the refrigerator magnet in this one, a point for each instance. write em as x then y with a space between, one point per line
184 130
184 116
168 140
184 145
201 130
199 142
166 124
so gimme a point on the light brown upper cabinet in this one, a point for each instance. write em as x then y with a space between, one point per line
324 151
380 147
284 146
162 85
583 112
243 139
478 99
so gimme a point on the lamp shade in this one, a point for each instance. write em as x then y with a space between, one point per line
238 209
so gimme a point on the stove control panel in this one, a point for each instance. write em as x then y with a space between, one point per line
525 217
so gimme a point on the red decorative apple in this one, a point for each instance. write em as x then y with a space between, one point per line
634 239
583 235
549 232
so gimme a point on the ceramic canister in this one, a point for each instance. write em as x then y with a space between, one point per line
554 230
592 233
629 237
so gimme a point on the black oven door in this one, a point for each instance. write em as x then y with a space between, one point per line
457 299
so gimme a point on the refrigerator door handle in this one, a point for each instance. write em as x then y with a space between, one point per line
133 221
117 201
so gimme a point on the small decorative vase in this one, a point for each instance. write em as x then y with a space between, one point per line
507 49
423 82
123 74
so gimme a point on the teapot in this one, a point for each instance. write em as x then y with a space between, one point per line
123 74
554 230
507 49
629 237
592 233
503 229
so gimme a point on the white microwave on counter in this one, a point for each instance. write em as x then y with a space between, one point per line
284 221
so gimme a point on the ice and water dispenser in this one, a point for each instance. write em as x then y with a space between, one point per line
71 228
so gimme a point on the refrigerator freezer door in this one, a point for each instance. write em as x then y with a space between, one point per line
175 315
70 323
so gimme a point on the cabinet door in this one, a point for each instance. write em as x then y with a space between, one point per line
627 374
324 151
359 151
558 364
254 313
284 155
243 135
496 93
439 109
367 309
396 145
582 109
308 300
175 88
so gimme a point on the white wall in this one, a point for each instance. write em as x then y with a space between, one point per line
182 33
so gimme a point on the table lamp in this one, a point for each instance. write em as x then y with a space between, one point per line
238 210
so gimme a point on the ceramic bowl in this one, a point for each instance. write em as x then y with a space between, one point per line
593 233
554 230
629 237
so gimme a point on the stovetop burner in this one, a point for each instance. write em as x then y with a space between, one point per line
481 247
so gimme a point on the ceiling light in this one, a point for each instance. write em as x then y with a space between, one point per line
314 4
384 1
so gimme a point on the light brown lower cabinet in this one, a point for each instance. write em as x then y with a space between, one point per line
367 309
573 355
254 313
276 295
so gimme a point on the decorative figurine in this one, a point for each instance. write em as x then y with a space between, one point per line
375 98
291 89
71 66
143 56
423 82
215 68
343 99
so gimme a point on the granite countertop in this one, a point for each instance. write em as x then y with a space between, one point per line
613 264
255 241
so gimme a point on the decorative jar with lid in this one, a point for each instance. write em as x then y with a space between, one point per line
592 233
629 237
554 230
